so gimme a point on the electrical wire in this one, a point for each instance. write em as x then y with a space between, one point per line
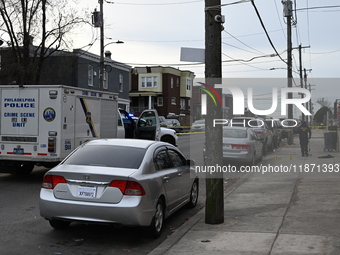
241 61
264 28
318 7
150 4
248 60
277 11
217 7
243 43
238 48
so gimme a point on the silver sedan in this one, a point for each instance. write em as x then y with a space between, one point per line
123 181
242 145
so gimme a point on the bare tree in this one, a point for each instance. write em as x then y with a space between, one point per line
35 30
323 102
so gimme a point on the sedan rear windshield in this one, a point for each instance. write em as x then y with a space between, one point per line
234 133
246 123
107 156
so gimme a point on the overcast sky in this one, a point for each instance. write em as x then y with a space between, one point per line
154 31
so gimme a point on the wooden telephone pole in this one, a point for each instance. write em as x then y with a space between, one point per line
214 210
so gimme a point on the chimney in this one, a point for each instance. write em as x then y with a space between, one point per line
108 54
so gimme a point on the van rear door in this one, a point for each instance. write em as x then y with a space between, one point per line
20 112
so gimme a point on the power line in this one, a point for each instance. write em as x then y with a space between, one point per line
277 12
187 2
248 60
242 63
243 43
318 7
239 48
264 28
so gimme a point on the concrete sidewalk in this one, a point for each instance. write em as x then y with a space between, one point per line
292 212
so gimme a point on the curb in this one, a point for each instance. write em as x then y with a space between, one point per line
182 230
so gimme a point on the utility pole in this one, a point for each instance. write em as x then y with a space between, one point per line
287 12
301 77
101 81
305 83
214 209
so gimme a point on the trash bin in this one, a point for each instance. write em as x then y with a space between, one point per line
331 139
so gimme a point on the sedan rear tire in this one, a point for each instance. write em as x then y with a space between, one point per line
59 224
156 225
193 195
252 162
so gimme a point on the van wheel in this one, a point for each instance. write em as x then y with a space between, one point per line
24 169
168 139
156 225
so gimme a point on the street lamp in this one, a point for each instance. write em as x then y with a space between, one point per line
102 47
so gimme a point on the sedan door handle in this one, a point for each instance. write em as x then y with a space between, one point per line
180 174
166 178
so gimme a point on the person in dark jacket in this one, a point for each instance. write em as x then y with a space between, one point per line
304 134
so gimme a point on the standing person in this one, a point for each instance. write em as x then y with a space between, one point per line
304 134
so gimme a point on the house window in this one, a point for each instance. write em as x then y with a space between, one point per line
159 101
189 104
149 82
189 83
121 83
177 82
182 103
173 100
90 75
106 80
172 82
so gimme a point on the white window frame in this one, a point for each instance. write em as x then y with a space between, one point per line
173 100
172 82
149 82
90 76
159 101
182 102
106 80
121 84
189 84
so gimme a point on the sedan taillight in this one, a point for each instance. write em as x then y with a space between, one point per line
50 181
240 146
129 188
259 132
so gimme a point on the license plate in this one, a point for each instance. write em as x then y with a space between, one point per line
18 150
87 191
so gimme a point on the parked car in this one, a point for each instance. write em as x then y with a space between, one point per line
119 181
198 125
174 124
260 127
242 145
162 121
276 128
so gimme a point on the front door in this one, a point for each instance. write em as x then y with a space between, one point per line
148 125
